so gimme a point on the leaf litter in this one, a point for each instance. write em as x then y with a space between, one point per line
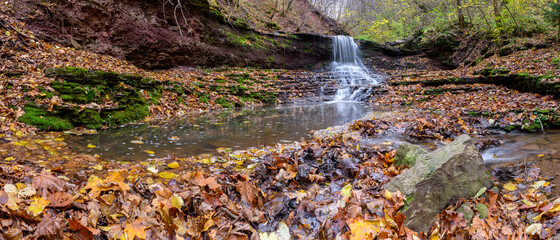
326 188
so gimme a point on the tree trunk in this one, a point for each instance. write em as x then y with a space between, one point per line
497 16
460 15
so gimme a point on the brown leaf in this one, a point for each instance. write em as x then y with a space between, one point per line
50 228
249 193
210 182
59 199
81 231
46 182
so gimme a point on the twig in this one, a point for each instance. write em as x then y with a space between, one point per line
525 166
542 128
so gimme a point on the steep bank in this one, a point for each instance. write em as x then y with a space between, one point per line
152 34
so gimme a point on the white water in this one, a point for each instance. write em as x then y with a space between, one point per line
354 80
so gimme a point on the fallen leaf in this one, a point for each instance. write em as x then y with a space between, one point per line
135 229
37 207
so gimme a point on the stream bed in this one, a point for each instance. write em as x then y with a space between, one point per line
229 129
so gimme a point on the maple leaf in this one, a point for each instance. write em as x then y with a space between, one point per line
50 227
113 182
59 199
46 182
135 229
210 182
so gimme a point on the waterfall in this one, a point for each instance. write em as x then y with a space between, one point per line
353 79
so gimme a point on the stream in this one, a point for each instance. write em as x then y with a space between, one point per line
235 129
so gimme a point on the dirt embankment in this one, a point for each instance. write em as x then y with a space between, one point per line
154 35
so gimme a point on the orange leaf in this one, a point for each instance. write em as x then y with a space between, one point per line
135 230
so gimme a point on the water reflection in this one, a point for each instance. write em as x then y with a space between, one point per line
239 129
519 147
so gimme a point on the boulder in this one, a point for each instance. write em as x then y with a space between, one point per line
438 179
407 154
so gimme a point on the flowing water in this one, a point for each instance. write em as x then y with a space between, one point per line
519 147
354 79
236 129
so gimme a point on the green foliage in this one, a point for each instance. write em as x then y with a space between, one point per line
552 13
389 20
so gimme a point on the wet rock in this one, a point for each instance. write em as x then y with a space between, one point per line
407 154
440 178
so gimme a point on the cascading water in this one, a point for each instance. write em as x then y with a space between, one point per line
354 80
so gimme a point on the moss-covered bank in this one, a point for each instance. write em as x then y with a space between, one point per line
521 82
94 99
89 98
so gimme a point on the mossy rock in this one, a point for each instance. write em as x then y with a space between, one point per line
82 86
127 115
44 120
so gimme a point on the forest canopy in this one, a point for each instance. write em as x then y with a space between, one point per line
389 20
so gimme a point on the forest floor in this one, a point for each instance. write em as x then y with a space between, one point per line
302 190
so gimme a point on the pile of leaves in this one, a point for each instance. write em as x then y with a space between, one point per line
326 188
320 188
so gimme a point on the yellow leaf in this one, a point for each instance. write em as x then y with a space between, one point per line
176 201
540 155
21 143
346 191
167 175
510 186
361 229
37 206
208 224
538 217
173 165
8 159
91 146
527 202
554 209
135 230
20 186
149 152
388 195
98 167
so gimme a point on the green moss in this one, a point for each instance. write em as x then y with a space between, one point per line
43 120
203 98
129 114
407 203
238 90
91 118
154 97
224 103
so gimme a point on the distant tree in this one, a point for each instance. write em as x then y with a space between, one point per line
552 14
